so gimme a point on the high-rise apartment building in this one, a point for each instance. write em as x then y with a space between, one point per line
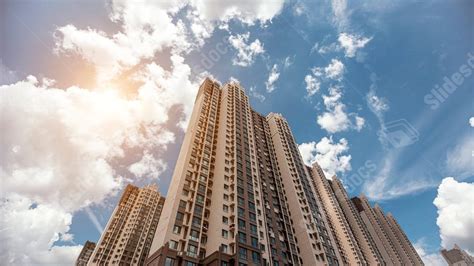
129 233
345 240
363 238
392 243
85 254
241 195
240 192
457 257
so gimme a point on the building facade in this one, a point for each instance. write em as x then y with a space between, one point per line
392 243
129 233
241 195
457 257
85 254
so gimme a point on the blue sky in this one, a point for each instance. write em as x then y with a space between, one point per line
373 67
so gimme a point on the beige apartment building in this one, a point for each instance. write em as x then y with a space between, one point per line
128 236
241 195
457 257
85 254
392 243
345 240
363 238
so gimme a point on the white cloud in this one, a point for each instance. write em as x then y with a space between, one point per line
254 93
341 16
455 213
328 154
66 139
246 52
272 78
247 11
377 104
335 119
460 159
471 121
431 259
334 70
352 43
148 166
384 185
313 85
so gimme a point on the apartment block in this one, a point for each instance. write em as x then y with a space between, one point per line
345 240
457 257
128 235
395 248
367 246
240 194
85 254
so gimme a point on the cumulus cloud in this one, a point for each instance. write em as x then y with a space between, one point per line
148 166
459 159
455 213
272 78
328 154
313 85
471 121
246 11
334 70
254 93
66 140
246 52
352 43
335 119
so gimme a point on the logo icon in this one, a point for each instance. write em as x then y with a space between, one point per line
399 133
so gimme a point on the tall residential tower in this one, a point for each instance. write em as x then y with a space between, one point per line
241 195
240 192
128 235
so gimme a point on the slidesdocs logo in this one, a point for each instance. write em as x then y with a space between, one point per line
399 133
439 94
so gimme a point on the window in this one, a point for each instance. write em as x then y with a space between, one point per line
253 217
253 229
242 253
173 244
225 234
254 242
200 199
225 208
192 249
241 224
177 229
242 237
225 248
255 257
182 204
196 221
179 216
194 235
169 261
241 212
188 263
